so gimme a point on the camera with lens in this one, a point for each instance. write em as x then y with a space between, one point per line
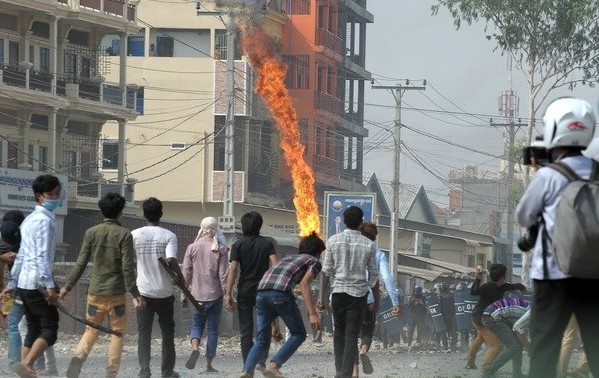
535 151
528 240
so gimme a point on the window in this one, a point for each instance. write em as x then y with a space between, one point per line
39 122
43 158
178 146
78 37
30 155
297 7
44 59
298 71
303 124
164 46
319 141
70 67
13 53
136 46
69 164
86 67
110 154
13 150
329 144
8 21
40 29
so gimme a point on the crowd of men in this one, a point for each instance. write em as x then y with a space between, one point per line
350 265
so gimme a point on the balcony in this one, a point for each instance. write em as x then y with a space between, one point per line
88 190
93 89
13 76
327 170
327 102
329 40
118 8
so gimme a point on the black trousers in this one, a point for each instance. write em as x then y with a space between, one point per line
553 304
348 312
42 319
164 308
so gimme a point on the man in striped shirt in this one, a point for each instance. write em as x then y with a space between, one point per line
32 269
350 266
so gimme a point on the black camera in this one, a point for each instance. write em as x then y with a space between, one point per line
527 242
536 151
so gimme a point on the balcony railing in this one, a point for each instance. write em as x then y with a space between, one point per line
67 86
118 8
327 167
93 190
327 102
14 76
329 40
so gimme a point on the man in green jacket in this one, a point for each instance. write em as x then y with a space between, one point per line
110 246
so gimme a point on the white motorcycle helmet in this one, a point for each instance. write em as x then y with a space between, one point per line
569 122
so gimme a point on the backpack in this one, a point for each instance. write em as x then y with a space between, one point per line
576 232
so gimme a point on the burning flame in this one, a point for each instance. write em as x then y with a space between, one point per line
270 85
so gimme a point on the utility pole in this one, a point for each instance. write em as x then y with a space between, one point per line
227 220
509 106
397 91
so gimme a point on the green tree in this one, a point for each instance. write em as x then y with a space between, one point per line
553 43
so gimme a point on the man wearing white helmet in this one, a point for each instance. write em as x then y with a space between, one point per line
569 127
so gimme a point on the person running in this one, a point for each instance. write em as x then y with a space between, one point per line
490 292
251 254
350 266
499 317
205 268
156 287
110 246
370 230
275 298
33 269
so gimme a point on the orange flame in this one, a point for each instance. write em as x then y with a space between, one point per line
270 85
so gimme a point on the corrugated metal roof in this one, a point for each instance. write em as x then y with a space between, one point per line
426 274
441 264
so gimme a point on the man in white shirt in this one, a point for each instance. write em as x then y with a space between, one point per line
156 286
32 269
569 127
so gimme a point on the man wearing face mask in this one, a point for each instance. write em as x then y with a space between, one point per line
32 269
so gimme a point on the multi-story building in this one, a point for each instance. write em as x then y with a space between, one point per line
176 149
54 100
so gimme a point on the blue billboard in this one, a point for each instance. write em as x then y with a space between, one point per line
337 202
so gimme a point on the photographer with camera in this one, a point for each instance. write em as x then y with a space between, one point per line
569 127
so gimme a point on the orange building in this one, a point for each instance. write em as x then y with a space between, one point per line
324 44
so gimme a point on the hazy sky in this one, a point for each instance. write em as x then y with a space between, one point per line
464 75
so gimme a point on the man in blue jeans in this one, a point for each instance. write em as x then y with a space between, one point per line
275 299
205 268
350 266
252 254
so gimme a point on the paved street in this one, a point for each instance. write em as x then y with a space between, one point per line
312 361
